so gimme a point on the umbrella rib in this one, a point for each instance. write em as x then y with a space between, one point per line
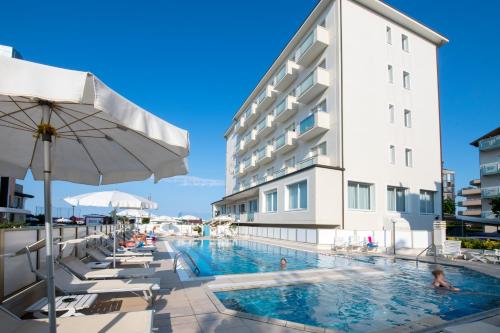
20 108
136 132
77 119
22 125
79 141
87 130
34 150
119 144
17 128
19 122
5 114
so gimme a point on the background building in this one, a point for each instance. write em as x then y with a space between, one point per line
489 166
472 199
449 184
343 130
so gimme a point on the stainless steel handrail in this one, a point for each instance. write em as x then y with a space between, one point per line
426 249
176 258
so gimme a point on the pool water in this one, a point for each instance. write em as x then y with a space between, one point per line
217 257
372 303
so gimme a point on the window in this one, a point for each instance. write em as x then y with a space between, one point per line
319 149
396 199
406 80
391 113
272 201
360 195
390 74
404 43
407 118
392 154
320 107
242 208
408 157
290 163
388 35
297 195
427 202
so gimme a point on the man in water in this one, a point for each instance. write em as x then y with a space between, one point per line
283 263
440 282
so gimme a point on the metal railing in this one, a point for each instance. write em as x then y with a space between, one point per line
425 250
176 258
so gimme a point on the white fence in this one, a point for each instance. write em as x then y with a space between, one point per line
15 273
405 239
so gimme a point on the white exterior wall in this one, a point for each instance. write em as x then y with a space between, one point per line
367 130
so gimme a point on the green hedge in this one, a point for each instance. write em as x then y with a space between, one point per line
11 225
479 244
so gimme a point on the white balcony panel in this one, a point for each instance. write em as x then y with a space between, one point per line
250 164
265 126
240 125
241 170
312 46
251 114
285 142
285 76
313 85
313 160
314 125
265 98
265 155
241 146
251 139
285 109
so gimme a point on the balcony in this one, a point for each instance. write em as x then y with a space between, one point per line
285 109
265 155
313 160
285 142
313 85
250 139
475 182
489 143
314 125
283 172
470 212
312 46
265 98
264 179
250 164
251 114
265 126
470 203
490 192
285 76
240 146
240 170
240 125
490 169
469 191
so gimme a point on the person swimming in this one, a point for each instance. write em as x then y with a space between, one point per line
283 263
440 282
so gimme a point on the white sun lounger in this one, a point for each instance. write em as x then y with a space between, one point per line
121 253
69 284
81 270
97 255
116 322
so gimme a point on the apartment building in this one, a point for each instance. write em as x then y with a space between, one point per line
449 184
343 130
471 203
489 166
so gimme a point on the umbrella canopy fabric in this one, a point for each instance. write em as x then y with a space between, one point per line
164 218
189 218
114 199
98 136
137 213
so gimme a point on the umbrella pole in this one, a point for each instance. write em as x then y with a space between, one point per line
114 238
47 139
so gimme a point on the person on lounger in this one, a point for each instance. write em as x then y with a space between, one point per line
440 282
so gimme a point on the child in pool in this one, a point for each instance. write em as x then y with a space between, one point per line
440 282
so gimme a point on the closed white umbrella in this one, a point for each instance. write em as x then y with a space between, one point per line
68 125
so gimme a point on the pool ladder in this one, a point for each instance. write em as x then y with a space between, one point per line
425 250
176 259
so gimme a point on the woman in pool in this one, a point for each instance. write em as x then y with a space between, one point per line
440 282
283 263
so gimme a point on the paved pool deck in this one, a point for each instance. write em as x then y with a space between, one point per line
189 305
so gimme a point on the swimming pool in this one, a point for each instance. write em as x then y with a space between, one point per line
218 257
369 304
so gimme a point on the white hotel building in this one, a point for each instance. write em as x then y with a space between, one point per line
343 131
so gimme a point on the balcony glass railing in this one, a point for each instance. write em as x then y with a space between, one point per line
490 168
281 74
261 96
490 192
305 45
261 153
280 141
307 123
246 163
490 143
280 108
261 125
280 173
305 85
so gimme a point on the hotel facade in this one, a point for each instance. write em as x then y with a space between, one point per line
343 131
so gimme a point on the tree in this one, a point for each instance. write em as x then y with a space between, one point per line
449 206
495 207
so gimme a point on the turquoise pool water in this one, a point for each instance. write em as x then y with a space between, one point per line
369 304
218 257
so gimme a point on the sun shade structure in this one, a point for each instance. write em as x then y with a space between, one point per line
135 213
113 199
68 125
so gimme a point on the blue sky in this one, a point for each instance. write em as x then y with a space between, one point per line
194 62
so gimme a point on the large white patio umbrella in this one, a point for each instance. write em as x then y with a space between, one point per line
115 200
68 125
135 213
